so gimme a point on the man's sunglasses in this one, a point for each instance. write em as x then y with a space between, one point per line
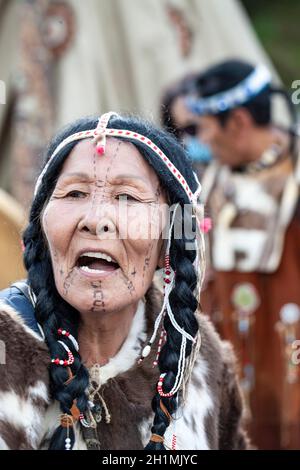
191 129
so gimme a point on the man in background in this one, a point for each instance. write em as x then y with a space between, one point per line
251 191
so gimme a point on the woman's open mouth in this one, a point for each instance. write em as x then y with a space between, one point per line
93 264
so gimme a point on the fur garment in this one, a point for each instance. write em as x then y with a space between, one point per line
211 417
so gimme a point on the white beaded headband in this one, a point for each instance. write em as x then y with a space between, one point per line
235 96
99 135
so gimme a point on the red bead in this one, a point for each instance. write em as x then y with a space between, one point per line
167 280
56 361
100 149
168 272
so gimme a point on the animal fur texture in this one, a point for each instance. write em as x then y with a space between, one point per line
211 417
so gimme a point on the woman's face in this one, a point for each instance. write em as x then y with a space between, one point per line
103 225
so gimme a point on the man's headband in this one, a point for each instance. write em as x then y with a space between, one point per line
99 135
234 97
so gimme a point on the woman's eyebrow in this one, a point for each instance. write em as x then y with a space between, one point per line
76 175
131 179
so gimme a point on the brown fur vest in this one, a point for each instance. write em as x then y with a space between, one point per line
210 418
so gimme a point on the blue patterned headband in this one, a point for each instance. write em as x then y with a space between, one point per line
234 97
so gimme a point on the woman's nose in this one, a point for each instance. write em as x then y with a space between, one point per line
106 228
100 223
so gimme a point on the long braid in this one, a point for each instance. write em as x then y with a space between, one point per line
53 313
183 304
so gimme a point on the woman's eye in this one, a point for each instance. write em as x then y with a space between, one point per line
126 197
76 194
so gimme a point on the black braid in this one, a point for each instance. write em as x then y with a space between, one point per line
183 304
53 312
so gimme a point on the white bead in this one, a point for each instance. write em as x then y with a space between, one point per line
146 351
290 313
61 362
68 446
63 332
68 440
160 384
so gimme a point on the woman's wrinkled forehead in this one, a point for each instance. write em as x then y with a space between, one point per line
121 158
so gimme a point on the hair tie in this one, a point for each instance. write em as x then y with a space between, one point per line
71 376
66 420
157 438
165 411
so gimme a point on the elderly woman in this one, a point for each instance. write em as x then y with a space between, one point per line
96 356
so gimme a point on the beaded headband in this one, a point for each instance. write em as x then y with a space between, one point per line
99 135
235 96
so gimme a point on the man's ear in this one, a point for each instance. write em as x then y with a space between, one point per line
161 256
240 120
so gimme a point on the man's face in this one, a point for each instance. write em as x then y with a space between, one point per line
219 138
184 120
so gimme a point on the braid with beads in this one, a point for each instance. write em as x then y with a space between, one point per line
183 304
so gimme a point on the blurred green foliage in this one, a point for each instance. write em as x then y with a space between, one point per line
277 24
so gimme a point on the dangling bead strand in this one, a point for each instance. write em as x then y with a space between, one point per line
179 376
162 339
160 389
68 335
168 285
64 362
174 442
83 421
66 421
167 269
